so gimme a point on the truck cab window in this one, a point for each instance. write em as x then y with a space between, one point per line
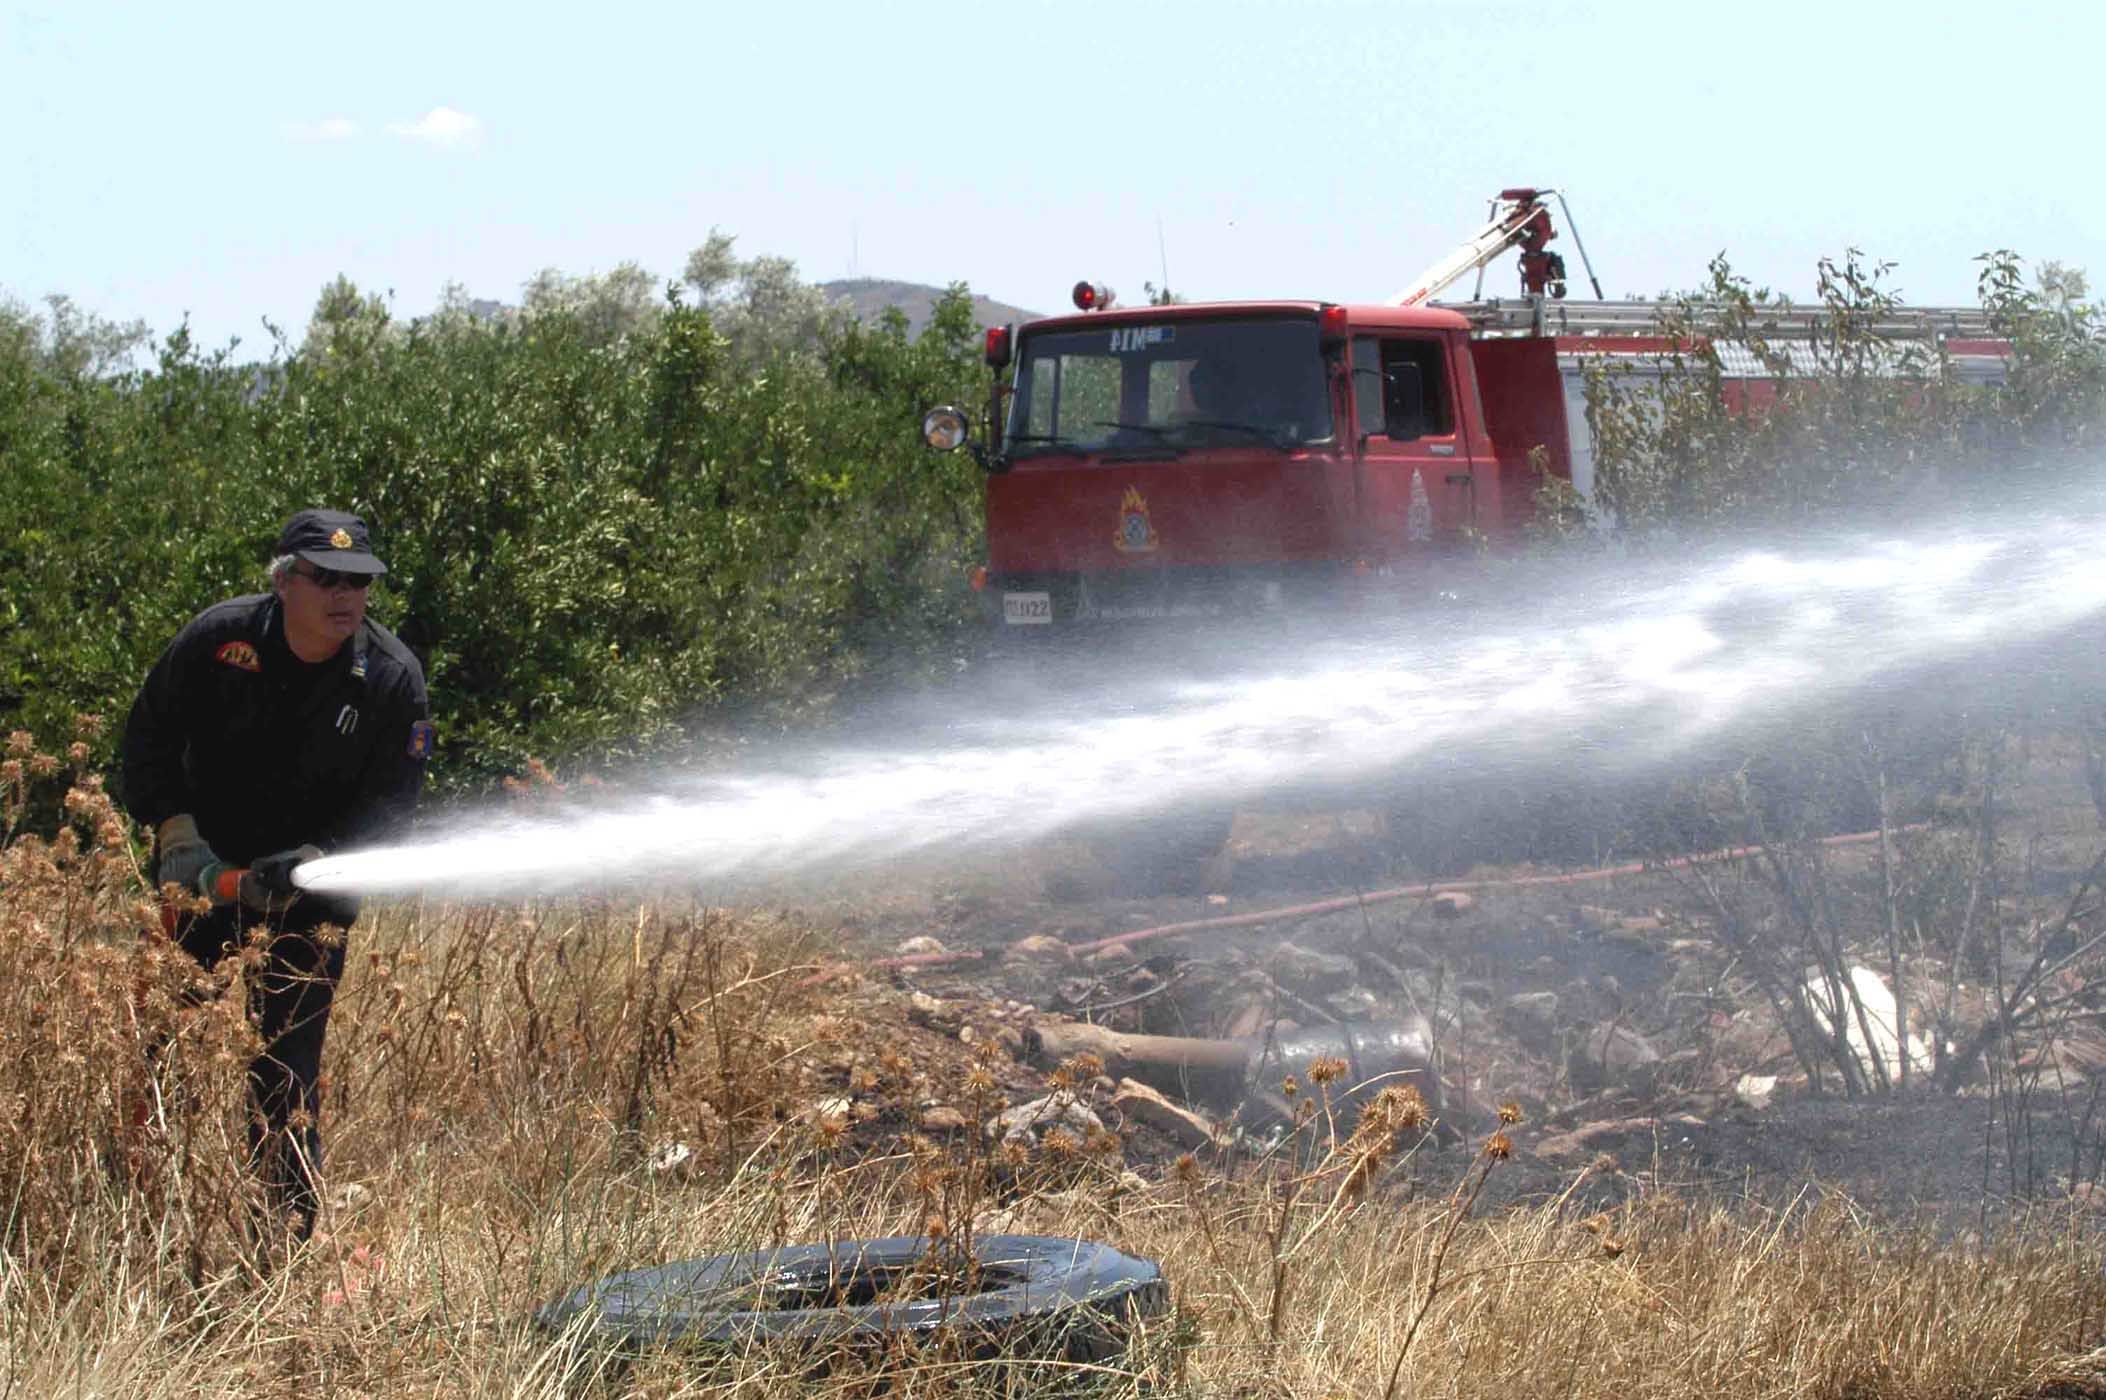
1170 390
1180 385
1415 390
1367 386
1043 395
1400 389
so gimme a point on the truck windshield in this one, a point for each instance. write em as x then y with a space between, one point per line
1165 387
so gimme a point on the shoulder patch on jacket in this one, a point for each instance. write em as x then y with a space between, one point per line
239 655
422 735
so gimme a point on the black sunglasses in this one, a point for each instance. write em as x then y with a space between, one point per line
330 578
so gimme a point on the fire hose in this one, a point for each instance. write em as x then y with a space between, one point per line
1354 901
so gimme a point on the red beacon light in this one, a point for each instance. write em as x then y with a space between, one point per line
1331 324
997 346
1093 296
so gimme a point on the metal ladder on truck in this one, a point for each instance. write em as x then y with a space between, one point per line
1541 315
1520 218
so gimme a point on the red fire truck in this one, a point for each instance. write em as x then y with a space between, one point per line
1230 458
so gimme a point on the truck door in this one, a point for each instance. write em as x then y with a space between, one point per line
1417 490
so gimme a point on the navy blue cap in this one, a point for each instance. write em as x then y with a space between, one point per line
330 539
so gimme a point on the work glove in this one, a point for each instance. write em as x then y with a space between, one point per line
268 888
182 858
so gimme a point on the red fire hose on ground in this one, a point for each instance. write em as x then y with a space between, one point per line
1344 902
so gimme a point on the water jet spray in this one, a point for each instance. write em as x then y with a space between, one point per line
1644 664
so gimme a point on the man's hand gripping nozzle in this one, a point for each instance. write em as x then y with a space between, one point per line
270 885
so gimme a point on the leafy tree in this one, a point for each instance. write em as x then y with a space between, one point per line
760 305
607 527
346 321
606 306
71 342
2054 399
1847 419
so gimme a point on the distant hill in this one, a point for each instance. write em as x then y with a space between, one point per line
869 296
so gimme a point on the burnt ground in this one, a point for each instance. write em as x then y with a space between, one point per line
1617 1013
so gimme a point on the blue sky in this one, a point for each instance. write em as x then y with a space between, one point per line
225 163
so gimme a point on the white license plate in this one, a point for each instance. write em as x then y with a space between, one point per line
1027 609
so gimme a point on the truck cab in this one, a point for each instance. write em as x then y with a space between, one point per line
1226 459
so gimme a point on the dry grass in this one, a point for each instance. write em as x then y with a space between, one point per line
500 1080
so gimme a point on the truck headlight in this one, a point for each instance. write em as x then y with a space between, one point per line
945 428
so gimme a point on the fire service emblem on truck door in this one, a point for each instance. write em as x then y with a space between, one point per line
1134 535
1418 513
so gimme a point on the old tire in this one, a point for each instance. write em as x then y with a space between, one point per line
1040 1298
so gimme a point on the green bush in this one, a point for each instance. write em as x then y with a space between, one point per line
1861 428
600 531
1862 424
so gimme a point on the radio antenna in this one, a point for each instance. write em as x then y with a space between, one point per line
1162 253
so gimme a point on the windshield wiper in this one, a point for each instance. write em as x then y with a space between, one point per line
1152 429
1164 450
1271 437
1046 442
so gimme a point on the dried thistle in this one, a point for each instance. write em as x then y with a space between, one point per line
1395 1108
1326 1068
1510 1113
1084 1066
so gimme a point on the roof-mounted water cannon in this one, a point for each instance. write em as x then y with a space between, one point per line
1093 296
1518 218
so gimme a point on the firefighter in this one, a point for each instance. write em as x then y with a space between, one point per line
1214 389
277 727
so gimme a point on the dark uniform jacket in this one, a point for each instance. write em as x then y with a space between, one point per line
269 752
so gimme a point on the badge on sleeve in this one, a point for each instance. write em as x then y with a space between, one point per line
239 655
422 735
